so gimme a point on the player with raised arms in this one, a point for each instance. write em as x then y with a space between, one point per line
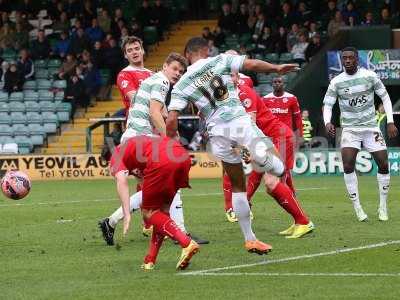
355 88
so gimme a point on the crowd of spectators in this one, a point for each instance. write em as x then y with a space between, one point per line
274 26
85 35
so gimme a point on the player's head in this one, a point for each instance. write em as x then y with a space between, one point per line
278 84
174 67
132 47
305 114
350 59
196 48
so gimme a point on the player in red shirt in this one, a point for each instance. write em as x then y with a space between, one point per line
282 137
165 165
130 78
286 107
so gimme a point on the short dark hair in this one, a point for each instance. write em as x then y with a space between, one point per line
174 56
351 49
195 44
130 40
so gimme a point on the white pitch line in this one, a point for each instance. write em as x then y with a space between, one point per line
275 261
113 199
305 274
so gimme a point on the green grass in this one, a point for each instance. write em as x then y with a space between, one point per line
43 258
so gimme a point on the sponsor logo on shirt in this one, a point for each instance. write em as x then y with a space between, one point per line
124 83
278 110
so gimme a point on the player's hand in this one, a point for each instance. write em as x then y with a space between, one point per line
127 223
392 130
330 129
286 68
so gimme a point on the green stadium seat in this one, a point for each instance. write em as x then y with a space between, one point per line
25 145
16 96
63 111
32 106
150 35
264 89
6 139
259 56
59 96
245 38
30 85
52 72
105 75
272 57
54 63
4 107
9 54
46 95
60 84
43 84
47 106
34 117
286 57
18 118
5 118
30 95
37 134
263 78
19 129
41 73
50 122
3 96
40 63
17 107
5 130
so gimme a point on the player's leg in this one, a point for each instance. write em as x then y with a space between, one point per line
349 156
289 163
227 188
375 144
253 182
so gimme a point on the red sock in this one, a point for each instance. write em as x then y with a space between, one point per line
253 182
164 225
289 181
227 187
155 245
284 196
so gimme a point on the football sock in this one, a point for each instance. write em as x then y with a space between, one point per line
176 211
134 203
285 198
383 183
289 181
242 210
154 247
351 182
253 182
164 225
227 187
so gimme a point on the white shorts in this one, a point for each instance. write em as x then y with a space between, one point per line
240 131
129 133
371 139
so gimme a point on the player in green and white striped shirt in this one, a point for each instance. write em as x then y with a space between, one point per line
208 85
355 88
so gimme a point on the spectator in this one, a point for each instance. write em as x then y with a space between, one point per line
61 47
303 15
94 32
104 21
92 80
287 18
59 9
159 17
21 19
207 34
51 8
227 20
62 23
259 27
266 42
21 37
241 20
312 30
25 65
144 14
73 8
29 8
88 13
74 29
335 24
98 55
348 12
386 18
329 14
3 70
313 47
307 128
79 43
299 49
136 30
281 41
117 30
75 93
67 68
7 36
41 47
212 50
292 37
113 58
219 39
13 80
369 19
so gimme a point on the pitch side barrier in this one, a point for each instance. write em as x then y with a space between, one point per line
92 166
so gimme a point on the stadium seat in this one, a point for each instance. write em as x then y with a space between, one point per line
34 117
63 111
54 63
45 95
30 95
272 57
17 107
5 118
41 74
245 38
60 84
4 107
5 130
59 96
150 35
3 96
43 84
16 96
37 134
264 78
47 106
50 122
18 118
264 89
9 54
40 63
20 130
52 72
32 106
286 57
24 143
30 85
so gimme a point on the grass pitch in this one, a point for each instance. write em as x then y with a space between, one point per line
51 248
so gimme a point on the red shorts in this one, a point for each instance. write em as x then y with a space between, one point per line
162 180
283 141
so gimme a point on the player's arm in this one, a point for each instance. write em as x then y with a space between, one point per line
156 116
128 88
123 193
381 91
177 104
259 66
329 102
298 122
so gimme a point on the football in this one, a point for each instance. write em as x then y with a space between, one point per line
15 185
